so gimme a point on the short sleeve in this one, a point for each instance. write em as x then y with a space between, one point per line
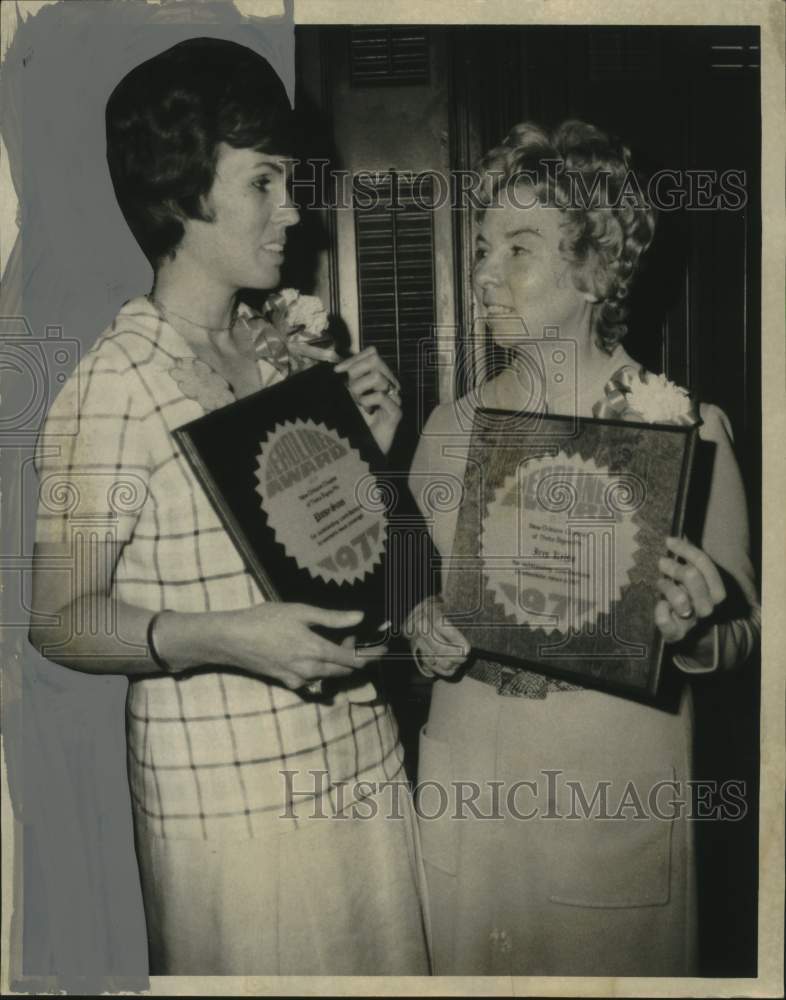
91 458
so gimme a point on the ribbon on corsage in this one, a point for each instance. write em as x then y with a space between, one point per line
291 324
284 335
635 394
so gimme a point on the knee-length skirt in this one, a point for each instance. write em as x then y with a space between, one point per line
324 896
538 874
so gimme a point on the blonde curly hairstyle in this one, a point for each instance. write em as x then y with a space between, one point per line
608 222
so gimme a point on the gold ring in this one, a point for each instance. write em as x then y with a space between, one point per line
683 616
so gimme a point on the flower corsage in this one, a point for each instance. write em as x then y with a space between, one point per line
635 394
289 335
299 326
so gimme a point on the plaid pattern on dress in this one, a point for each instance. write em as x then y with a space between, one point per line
205 749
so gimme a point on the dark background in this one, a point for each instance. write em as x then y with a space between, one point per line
683 98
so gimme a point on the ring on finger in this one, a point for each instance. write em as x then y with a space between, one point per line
427 659
423 662
684 615
315 687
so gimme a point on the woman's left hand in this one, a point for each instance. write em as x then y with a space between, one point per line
376 391
691 587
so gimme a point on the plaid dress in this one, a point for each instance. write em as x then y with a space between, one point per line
251 861
205 749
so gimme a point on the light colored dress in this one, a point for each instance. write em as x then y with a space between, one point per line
551 886
229 887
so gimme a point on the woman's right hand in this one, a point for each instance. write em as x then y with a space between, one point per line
276 640
438 646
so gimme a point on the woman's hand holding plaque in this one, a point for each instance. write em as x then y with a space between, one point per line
275 640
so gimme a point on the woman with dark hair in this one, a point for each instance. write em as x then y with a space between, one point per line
530 882
229 759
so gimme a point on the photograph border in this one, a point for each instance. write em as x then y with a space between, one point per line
770 16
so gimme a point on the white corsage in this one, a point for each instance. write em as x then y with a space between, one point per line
304 314
284 336
300 320
636 394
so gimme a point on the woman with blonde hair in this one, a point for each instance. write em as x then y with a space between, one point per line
521 880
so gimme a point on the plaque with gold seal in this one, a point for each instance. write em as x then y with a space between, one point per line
298 481
554 565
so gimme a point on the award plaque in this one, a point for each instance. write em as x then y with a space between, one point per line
300 485
555 556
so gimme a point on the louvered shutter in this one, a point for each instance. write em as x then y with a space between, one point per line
395 266
385 55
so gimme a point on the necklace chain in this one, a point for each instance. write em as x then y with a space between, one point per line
167 313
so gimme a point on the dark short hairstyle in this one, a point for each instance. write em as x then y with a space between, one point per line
606 226
164 121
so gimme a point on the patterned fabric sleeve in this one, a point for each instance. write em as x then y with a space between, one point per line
90 457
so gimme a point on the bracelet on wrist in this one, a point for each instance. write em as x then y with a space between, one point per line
155 656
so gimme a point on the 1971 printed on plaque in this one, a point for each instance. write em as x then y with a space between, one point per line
554 560
297 479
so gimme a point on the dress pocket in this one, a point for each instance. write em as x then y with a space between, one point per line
620 857
435 805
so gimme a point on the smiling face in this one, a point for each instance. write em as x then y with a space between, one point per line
519 273
250 209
